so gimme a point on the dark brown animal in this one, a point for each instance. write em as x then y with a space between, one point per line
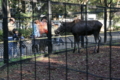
82 28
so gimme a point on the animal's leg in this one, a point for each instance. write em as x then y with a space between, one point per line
78 49
82 41
86 40
74 47
96 50
77 39
98 44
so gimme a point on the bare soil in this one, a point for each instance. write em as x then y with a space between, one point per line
69 66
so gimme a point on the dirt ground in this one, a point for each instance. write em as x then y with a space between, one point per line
69 66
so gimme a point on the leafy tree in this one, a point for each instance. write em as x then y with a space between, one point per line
58 9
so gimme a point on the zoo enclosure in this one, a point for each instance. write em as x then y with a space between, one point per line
110 37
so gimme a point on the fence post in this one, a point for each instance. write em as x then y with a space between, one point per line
5 30
82 18
105 21
105 24
49 27
49 34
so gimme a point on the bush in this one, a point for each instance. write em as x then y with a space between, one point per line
26 32
117 27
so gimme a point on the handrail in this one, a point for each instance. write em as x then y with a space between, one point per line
37 38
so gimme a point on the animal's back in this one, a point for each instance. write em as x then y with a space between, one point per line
82 29
98 24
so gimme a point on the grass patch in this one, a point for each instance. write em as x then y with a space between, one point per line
1 63
20 58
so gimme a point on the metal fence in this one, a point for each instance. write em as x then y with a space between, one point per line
59 62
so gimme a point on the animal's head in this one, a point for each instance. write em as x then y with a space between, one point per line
61 28
65 27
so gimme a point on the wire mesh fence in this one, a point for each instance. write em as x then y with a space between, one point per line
51 59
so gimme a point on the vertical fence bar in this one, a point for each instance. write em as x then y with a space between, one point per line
34 39
49 26
5 30
110 56
105 21
49 34
86 43
82 17
5 35
66 60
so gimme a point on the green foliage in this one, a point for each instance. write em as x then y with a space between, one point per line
24 14
116 27
26 32
58 9
1 64
0 3
26 18
1 35
1 32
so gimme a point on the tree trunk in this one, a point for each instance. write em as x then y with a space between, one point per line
8 10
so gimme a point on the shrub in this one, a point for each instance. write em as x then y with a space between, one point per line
26 32
117 27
